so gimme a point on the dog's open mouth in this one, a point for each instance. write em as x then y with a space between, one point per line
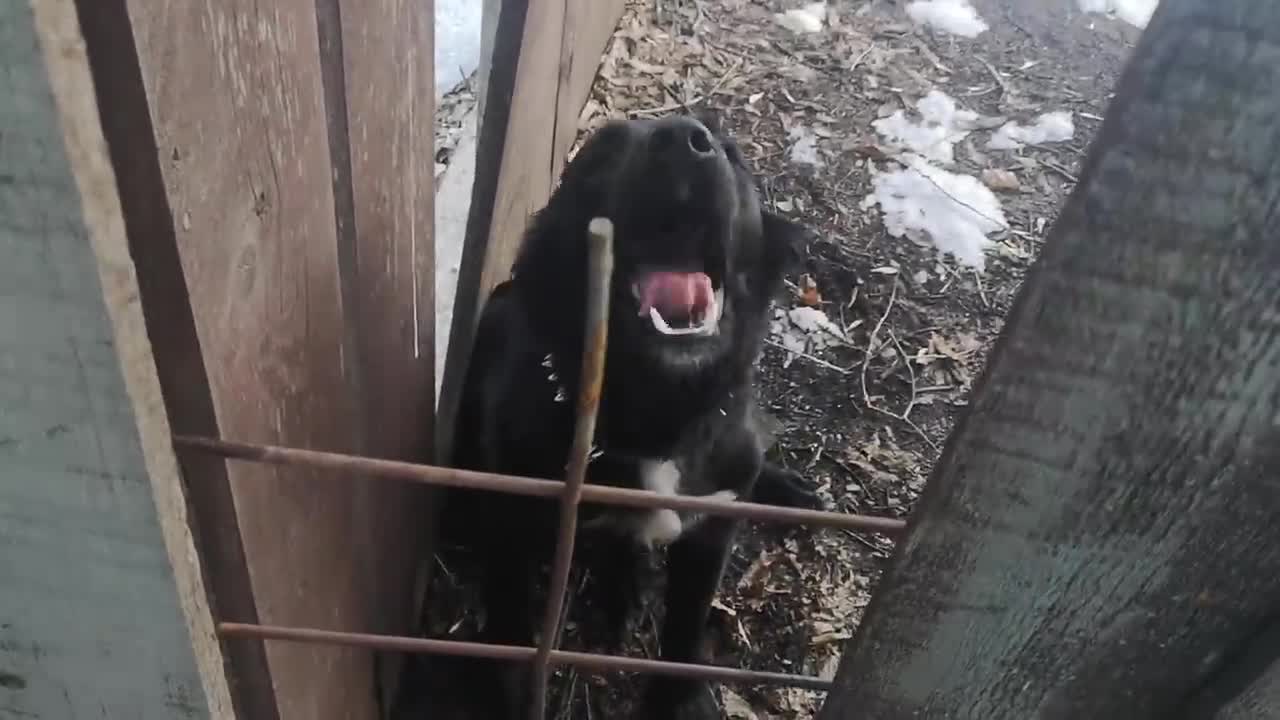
679 303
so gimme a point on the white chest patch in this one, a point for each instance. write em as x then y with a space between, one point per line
663 527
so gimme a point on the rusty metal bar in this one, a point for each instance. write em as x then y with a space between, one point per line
595 346
597 494
516 653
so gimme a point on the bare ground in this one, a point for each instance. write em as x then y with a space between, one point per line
864 418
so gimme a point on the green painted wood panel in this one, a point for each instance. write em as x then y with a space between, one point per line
91 625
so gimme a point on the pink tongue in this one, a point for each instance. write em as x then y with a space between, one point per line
675 294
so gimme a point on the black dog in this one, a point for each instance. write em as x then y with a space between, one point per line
697 261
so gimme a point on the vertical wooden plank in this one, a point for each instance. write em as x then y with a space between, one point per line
237 106
544 57
525 178
1099 536
102 609
180 364
386 65
589 25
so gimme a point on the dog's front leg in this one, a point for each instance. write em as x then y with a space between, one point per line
510 576
695 564
784 488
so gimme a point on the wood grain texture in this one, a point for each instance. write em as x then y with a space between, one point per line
545 54
240 121
179 361
388 75
1100 534
95 621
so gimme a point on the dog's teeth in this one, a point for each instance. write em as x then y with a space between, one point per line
660 323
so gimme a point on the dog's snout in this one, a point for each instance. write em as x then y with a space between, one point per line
682 138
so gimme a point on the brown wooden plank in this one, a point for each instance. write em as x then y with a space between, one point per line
544 58
588 27
180 366
387 62
1100 533
237 106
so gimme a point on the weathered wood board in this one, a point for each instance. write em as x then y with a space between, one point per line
538 69
386 254
103 612
1100 534
288 162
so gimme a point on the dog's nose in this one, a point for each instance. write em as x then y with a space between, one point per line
682 138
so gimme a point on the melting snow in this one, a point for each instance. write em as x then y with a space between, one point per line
955 212
808 19
1135 12
956 17
1050 127
805 330
942 126
804 151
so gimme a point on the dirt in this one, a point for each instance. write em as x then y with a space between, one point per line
866 416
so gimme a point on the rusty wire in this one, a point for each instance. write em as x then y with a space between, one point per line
595 346
358 466
519 653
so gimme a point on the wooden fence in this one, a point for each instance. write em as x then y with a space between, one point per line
272 166
235 240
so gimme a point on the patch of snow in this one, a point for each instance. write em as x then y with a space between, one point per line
805 330
942 125
954 212
1050 127
956 17
1135 12
808 19
804 149
453 202
457 41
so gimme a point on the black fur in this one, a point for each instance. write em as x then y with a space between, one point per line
689 399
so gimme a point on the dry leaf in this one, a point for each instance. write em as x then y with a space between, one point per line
1000 180
809 294
735 707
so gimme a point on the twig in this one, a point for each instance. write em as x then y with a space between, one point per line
566 703
871 341
807 356
911 373
866 363
1001 224
683 105
982 294
862 56
599 273
1004 87
1060 170
855 536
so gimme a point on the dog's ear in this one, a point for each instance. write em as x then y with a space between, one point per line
782 240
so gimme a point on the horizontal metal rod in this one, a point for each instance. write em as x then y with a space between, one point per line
517 653
597 494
